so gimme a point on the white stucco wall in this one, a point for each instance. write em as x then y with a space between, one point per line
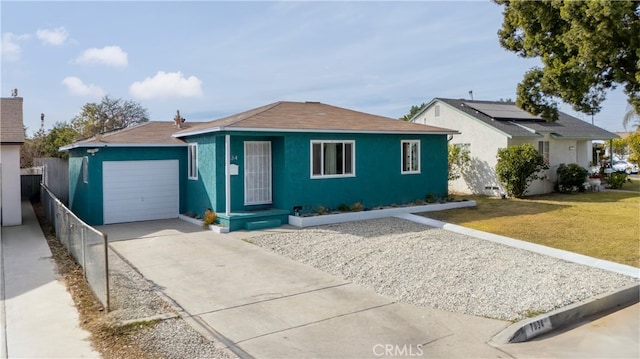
560 151
485 141
10 187
481 178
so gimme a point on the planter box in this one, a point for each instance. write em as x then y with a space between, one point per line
372 214
198 222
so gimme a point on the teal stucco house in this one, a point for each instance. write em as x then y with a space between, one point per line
285 158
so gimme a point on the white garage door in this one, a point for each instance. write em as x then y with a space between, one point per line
140 190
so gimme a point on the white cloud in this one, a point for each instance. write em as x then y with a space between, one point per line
10 48
166 85
108 55
54 37
76 87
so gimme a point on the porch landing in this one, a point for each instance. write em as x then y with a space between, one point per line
252 220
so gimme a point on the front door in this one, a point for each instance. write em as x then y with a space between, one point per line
257 172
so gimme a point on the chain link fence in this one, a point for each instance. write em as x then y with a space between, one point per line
87 245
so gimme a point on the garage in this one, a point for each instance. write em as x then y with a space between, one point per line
140 190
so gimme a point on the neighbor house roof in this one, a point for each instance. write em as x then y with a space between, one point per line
287 116
11 125
152 133
515 123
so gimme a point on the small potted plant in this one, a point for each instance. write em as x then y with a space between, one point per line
595 179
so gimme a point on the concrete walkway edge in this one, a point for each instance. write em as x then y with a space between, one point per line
532 327
532 247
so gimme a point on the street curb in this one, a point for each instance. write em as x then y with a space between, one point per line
530 328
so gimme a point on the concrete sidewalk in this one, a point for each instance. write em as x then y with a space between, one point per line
38 316
267 306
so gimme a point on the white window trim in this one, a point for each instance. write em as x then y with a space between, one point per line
546 149
192 149
85 169
410 142
320 142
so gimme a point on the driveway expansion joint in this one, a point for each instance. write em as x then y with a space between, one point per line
318 321
272 299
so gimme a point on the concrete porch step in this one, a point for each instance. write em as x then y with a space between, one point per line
267 223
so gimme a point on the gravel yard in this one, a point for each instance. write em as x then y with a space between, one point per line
432 267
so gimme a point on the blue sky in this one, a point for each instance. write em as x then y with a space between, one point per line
210 59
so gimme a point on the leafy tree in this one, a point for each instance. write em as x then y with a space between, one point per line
619 145
586 48
517 166
32 148
634 147
459 160
110 114
60 135
413 111
631 118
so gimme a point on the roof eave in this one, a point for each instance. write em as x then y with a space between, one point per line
293 130
106 144
198 132
587 138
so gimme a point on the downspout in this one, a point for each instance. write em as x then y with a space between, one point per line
227 174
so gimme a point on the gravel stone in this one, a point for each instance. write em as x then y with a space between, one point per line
436 268
132 298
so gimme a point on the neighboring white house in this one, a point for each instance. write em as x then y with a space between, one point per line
11 139
486 126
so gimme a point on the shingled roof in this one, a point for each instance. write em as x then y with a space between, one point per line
152 133
566 126
11 125
287 116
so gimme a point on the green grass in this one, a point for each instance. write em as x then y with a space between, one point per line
603 225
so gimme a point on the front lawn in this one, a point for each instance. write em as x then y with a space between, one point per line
603 225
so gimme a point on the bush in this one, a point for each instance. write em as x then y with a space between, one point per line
517 166
617 179
571 177
209 218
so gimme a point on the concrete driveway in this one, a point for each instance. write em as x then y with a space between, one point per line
267 306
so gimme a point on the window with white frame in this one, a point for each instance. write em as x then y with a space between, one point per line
333 159
410 156
436 110
543 149
85 169
192 161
